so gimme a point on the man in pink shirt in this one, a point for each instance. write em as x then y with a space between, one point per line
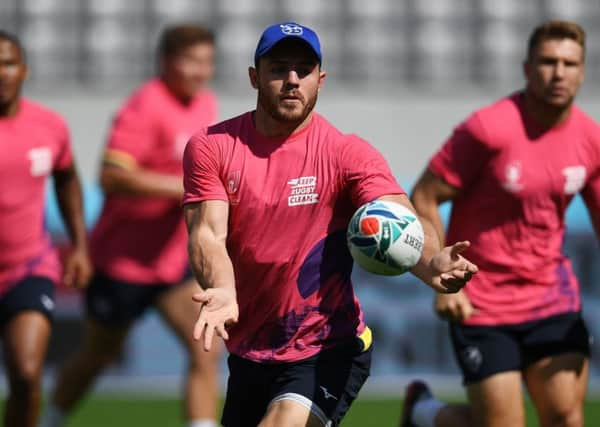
139 244
34 145
511 169
268 197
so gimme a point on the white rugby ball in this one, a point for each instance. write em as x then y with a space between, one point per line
385 238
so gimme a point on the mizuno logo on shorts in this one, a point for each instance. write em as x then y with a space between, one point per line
327 394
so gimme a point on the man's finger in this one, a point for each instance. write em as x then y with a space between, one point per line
209 333
199 328
463 311
222 332
68 273
201 297
458 248
472 267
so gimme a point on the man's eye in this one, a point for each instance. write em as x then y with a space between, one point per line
278 69
303 71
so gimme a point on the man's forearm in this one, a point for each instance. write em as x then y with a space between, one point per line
140 182
431 246
70 202
211 264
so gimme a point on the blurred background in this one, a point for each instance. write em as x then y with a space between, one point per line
401 73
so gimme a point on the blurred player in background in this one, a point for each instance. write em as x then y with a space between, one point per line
139 245
268 198
34 145
511 169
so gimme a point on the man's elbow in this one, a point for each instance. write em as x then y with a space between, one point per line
421 199
109 180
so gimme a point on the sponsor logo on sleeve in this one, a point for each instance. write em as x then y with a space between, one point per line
232 186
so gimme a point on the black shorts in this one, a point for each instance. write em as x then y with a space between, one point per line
115 303
32 293
482 351
327 384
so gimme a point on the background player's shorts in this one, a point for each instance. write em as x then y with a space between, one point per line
326 384
482 351
116 303
31 293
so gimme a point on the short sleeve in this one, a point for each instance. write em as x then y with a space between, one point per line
130 137
64 152
591 190
461 158
201 170
365 172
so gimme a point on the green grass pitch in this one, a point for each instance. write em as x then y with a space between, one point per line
127 411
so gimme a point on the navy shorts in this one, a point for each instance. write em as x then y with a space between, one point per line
482 351
32 293
327 384
115 303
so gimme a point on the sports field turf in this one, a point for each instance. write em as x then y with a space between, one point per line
147 412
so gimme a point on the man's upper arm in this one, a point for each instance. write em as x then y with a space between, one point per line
130 136
432 188
591 197
463 156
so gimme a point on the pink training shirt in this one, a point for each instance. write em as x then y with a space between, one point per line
143 240
517 181
33 144
290 201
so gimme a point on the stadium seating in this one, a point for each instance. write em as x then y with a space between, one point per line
435 42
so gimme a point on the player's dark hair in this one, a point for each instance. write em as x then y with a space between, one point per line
178 37
12 38
556 30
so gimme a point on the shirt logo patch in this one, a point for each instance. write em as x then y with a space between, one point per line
512 177
302 191
290 29
233 184
574 178
41 161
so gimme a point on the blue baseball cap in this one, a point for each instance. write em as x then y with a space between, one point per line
277 32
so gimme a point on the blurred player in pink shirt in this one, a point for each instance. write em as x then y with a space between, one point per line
511 170
268 197
34 145
139 244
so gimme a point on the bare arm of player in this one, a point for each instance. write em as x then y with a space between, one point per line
444 270
136 181
207 224
429 192
595 218
78 267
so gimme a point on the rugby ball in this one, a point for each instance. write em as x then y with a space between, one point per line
385 238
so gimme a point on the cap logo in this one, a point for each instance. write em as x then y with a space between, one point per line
291 29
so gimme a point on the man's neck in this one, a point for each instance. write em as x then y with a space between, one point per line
184 100
545 115
9 109
270 127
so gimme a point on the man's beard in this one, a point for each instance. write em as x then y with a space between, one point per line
281 114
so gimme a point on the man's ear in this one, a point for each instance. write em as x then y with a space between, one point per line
253 76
